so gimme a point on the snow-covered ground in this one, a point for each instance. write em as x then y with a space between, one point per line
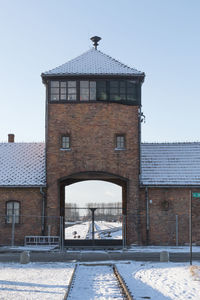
78 231
109 230
34 280
145 280
103 230
161 281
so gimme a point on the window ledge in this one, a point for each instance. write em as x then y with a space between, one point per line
63 149
120 149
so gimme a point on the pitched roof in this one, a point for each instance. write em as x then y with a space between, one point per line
22 164
93 62
175 164
170 164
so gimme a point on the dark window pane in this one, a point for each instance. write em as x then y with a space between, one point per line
71 83
130 84
122 90
65 142
71 90
84 97
114 90
93 84
12 210
54 91
63 90
114 84
71 97
54 83
131 97
92 90
120 142
84 84
101 90
54 97
122 84
123 97
114 97
63 84
63 97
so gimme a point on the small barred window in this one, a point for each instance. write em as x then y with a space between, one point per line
65 142
120 142
12 212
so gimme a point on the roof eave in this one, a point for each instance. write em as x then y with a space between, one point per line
142 185
23 186
139 77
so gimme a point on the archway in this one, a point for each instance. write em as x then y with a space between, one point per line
89 222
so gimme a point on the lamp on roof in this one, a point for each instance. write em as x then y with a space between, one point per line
95 40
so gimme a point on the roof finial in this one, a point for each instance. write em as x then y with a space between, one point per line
95 40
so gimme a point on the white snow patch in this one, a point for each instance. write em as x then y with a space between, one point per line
34 280
160 281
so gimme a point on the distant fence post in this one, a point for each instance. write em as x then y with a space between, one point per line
13 230
176 230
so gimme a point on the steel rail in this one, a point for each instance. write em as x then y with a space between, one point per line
70 283
122 284
126 294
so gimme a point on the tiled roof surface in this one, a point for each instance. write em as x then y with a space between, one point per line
170 164
93 62
22 164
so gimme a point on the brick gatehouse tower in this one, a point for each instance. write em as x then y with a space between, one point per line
93 120
93 115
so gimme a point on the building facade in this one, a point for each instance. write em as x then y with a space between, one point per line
93 132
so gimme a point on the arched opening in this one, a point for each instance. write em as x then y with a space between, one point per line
93 206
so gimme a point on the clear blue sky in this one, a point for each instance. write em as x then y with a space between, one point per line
161 38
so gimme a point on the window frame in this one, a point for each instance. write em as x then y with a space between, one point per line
107 81
120 135
66 136
10 215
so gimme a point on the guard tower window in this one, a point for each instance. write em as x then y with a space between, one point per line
124 91
101 90
12 211
63 90
120 142
65 142
87 90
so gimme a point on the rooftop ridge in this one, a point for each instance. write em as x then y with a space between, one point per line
93 62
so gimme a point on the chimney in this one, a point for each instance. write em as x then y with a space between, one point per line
11 138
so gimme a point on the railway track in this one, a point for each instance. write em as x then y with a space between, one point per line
97 281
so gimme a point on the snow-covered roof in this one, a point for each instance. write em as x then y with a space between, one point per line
170 164
22 164
176 164
93 62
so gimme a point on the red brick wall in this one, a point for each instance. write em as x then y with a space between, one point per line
92 127
30 206
166 204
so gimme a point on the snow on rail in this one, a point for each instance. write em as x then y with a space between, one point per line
97 281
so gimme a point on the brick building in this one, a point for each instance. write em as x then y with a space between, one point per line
93 126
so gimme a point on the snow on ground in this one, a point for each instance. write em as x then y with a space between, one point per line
109 230
173 249
160 281
34 280
95 282
146 280
103 230
80 229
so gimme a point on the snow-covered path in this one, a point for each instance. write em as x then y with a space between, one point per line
95 282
